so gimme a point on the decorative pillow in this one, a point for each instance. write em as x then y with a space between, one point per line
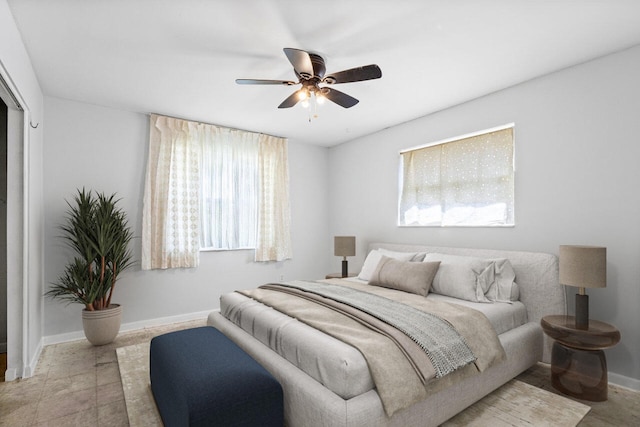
474 279
413 277
504 288
462 277
374 257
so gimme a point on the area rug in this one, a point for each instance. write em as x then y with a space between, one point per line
520 404
133 362
514 404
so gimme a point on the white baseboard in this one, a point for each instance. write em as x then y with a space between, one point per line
11 374
30 369
132 326
626 382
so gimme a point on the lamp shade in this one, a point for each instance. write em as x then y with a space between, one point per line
344 246
583 266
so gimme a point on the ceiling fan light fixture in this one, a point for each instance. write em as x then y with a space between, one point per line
310 69
303 95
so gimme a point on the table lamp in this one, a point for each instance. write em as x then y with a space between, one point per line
583 267
344 246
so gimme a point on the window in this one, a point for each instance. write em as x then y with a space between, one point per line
466 181
213 187
229 189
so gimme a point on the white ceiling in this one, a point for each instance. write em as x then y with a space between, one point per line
181 57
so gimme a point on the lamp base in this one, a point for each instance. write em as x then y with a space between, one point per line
345 268
582 311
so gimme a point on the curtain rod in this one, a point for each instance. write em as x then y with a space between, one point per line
213 124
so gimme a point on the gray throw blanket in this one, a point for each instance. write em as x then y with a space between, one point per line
444 346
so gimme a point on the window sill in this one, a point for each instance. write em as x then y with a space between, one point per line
458 226
226 250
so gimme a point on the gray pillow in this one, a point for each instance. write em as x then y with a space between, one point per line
413 277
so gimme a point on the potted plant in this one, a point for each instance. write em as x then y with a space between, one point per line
97 230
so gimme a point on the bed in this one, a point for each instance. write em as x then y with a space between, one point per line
327 382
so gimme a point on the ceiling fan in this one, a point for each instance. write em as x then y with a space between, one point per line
310 70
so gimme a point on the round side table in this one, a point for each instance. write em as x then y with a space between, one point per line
578 364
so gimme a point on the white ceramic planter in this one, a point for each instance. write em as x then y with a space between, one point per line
102 326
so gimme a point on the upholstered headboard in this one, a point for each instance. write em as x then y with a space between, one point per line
536 276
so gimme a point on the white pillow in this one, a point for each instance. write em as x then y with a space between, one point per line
462 277
474 279
415 256
374 257
505 288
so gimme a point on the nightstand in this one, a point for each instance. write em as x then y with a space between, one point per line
578 364
338 275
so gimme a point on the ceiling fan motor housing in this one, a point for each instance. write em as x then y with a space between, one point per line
318 66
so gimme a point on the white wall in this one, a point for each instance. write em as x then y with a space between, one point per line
106 150
577 177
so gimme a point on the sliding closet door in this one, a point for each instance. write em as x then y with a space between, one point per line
3 239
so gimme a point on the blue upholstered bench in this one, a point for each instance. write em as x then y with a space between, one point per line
199 377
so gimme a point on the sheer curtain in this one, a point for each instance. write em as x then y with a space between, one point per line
467 182
478 180
421 196
229 204
274 218
170 217
213 187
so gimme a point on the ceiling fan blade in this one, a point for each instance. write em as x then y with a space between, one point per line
291 99
340 98
367 72
264 82
301 62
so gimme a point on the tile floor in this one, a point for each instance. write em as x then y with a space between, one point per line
76 384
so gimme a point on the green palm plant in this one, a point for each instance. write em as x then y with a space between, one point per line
97 230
